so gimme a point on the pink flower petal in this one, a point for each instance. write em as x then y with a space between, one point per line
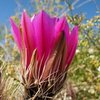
44 33
16 34
66 30
59 27
72 45
28 34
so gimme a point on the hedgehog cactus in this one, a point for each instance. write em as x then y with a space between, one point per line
47 48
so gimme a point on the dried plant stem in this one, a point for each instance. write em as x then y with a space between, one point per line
1 87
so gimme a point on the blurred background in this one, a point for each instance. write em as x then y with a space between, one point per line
83 80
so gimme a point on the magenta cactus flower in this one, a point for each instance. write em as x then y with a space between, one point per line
47 47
